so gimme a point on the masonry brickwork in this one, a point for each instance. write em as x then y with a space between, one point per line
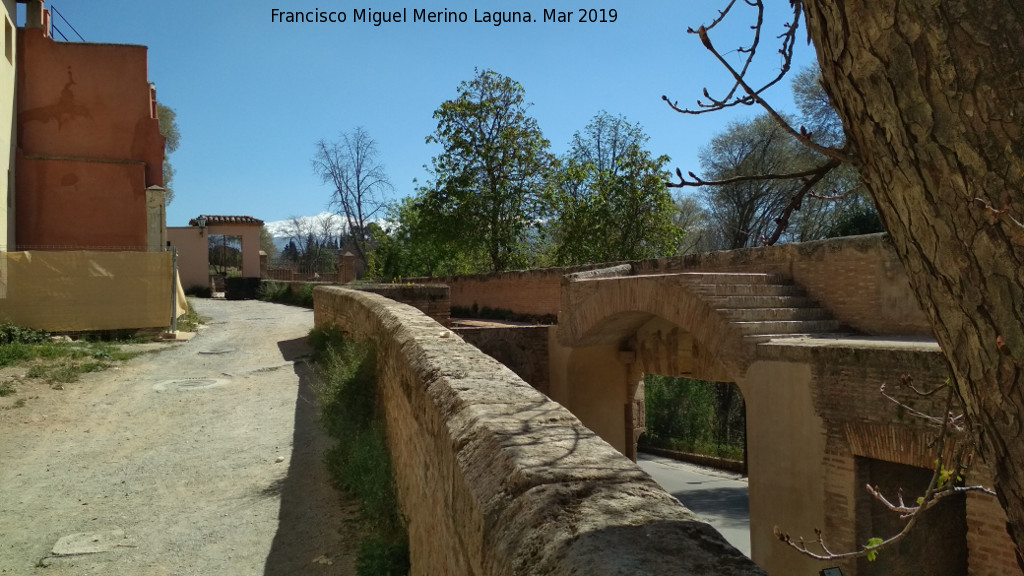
861 423
859 279
817 423
495 478
523 349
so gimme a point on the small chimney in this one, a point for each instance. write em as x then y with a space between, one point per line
37 17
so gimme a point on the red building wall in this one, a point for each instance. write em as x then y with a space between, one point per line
89 143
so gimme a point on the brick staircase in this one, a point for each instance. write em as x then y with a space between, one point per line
763 306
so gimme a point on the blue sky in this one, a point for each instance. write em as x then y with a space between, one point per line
253 96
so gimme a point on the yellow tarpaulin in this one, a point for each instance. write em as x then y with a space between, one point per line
87 291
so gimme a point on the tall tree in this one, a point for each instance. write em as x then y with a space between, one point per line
930 98
352 167
760 185
404 248
489 178
168 121
267 243
742 209
609 198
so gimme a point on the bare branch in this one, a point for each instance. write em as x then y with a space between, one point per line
782 222
944 483
698 181
731 98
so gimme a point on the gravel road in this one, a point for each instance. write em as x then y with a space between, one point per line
201 458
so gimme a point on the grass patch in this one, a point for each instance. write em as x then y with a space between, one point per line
283 293
55 362
191 320
359 461
7 388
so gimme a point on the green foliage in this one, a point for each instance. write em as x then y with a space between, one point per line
488 313
694 416
168 120
489 179
283 293
872 544
191 320
199 291
359 461
610 201
11 334
383 556
7 388
61 362
267 243
406 247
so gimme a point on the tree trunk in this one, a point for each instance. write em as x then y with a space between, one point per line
931 94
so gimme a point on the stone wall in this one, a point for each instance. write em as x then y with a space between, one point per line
523 349
431 299
494 478
527 292
858 278
860 424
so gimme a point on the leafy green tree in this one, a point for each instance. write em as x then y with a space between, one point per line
404 248
610 200
267 243
290 252
168 121
489 179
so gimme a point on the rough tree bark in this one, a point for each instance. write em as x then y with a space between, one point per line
932 99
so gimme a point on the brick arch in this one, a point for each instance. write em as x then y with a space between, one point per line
610 310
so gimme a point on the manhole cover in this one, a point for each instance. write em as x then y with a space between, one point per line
187 384
218 351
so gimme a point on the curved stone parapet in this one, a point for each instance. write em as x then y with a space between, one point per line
496 479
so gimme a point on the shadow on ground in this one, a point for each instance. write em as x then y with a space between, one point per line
315 527
731 504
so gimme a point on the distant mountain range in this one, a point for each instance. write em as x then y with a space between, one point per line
283 228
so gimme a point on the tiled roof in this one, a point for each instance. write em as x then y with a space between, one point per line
226 220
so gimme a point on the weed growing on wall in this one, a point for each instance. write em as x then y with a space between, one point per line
359 461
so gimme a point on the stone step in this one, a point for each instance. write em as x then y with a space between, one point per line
748 301
787 326
734 278
773 314
749 290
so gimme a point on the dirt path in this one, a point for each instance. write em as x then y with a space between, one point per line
201 459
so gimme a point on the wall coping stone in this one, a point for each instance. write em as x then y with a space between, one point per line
514 483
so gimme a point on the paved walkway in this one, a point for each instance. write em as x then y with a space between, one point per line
720 498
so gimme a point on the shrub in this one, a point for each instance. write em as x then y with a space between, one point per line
199 291
359 461
283 293
11 334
